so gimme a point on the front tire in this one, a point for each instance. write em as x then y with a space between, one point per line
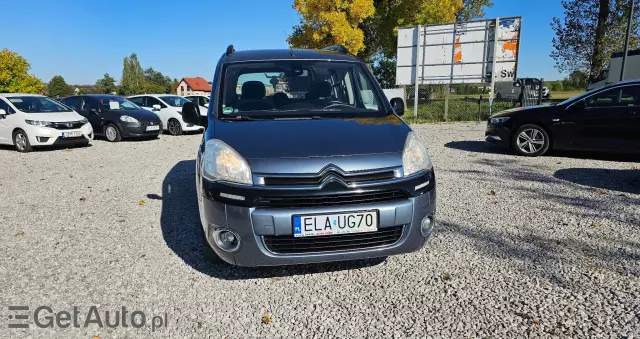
530 140
174 127
112 133
21 142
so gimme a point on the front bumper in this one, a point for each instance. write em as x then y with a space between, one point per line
498 134
139 129
253 224
47 136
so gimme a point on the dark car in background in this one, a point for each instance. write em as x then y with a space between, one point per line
606 119
330 175
115 117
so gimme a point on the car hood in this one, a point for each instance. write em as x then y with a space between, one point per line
522 110
140 114
326 137
53 117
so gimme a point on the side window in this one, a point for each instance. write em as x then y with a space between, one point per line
4 106
138 101
608 98
153 101
72 102
89 104
630 96
203 101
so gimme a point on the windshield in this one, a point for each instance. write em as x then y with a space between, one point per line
174 100
35 104
108 103
298 88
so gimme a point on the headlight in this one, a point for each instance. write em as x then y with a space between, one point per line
85 121
127 118
38 123
221 162
498 121
415 157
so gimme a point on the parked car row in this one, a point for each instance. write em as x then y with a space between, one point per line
28 120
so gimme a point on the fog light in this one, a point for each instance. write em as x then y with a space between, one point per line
226 239
426 227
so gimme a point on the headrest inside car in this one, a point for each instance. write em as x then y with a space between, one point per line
253 90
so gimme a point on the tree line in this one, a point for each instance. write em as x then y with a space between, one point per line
15 78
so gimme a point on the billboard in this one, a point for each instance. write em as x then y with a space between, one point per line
459 53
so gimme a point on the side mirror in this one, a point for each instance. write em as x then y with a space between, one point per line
157 107
516 84
3 113
398 106
191 115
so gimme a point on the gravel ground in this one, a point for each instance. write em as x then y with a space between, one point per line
544 247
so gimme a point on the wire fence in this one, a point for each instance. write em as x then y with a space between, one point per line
466 102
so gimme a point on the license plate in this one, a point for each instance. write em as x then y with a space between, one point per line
73 134
153 128
332 224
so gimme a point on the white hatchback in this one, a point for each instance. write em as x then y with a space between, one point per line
28 120
169 108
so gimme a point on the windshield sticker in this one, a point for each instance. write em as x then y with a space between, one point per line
114 105
227 110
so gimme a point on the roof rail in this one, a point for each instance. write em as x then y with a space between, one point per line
230 50
337 48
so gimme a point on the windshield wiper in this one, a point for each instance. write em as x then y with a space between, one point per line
300 118
244 118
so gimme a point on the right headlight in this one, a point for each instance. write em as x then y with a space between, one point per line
221 162
415 157
499 120
39 123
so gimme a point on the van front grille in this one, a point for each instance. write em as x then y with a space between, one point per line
332 200
289 244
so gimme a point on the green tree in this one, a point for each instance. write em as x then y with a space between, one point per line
591 31
132 81
472 9
157 81
106 85
385 71
579 79
57 87
14 74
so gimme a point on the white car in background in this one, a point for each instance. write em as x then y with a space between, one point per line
200 100
169 108
28 120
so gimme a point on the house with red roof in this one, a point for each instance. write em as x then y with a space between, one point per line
193 86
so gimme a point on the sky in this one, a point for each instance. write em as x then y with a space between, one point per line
82 40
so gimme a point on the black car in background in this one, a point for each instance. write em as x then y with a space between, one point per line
115 117
607 119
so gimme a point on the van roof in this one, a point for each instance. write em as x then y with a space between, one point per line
288 54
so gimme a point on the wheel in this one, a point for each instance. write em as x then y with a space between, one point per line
21 141
174 127
112 133
530 140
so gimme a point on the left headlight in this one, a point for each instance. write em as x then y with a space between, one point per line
85 121
415 157
39 123
498 121
221 162
127 118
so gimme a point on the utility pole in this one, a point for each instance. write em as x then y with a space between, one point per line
626 44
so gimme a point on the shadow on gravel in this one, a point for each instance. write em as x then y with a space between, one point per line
627 181
476 147
182 231
544 256
10 148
